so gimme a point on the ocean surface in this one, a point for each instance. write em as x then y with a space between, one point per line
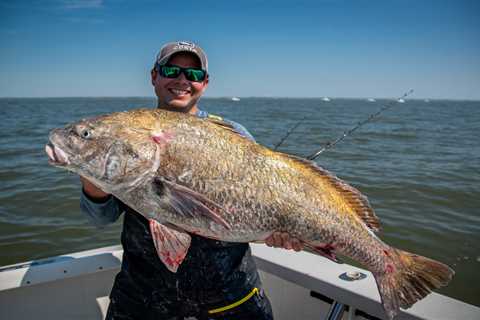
418 163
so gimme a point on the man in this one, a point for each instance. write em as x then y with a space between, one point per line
215 276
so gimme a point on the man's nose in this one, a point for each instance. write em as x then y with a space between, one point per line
182 77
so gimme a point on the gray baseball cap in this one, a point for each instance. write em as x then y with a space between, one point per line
181 46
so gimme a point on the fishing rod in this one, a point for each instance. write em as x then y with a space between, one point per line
289 132
331 144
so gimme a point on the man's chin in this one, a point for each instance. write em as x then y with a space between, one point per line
179 106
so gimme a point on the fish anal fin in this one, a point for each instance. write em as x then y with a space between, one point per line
356 201
324 250
171 245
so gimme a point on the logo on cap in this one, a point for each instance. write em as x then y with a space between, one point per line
183 45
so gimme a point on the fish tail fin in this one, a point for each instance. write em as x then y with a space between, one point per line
408 279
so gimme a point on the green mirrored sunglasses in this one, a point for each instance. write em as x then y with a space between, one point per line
191 74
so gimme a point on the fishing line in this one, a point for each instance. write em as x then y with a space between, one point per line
331 144
289 132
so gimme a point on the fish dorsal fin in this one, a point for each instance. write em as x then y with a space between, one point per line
358 202
221 123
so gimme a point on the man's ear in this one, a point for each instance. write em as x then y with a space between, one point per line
205 85
154 75
205 82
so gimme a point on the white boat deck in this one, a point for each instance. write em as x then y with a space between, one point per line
76 286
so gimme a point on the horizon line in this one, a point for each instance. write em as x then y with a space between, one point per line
242 97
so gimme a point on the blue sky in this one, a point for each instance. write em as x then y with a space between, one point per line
362 48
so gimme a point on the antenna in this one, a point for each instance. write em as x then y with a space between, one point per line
358 125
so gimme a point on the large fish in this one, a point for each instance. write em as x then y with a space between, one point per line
198 176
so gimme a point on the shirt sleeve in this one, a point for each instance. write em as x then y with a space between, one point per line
241 130
100 214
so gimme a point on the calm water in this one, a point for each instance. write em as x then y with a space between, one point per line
419 164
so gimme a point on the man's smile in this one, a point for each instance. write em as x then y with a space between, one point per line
178 92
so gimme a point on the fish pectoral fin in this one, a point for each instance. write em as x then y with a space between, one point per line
171 245
326 251
190 203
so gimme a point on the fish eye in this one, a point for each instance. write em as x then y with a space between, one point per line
85 133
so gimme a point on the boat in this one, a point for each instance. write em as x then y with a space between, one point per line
300 285
235 99
371 100
326 99
401 101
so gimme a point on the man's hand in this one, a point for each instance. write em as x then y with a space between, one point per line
92 190
283 240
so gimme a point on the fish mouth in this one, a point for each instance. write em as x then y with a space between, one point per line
56 156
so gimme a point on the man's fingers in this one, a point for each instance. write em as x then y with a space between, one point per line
297 245
269 241
277 239
286 241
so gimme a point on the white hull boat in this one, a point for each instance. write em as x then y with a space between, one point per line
299 286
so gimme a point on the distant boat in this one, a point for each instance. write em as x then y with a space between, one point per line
326 99
400 101
427 100
235 99
371 100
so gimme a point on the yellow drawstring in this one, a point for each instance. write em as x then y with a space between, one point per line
235 304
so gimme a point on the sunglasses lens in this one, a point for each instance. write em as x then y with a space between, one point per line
191 74
195 74
169 71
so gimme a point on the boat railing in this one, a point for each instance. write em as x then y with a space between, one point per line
69 284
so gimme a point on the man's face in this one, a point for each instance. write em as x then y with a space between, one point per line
179 93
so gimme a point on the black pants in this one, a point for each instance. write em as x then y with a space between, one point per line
125 308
